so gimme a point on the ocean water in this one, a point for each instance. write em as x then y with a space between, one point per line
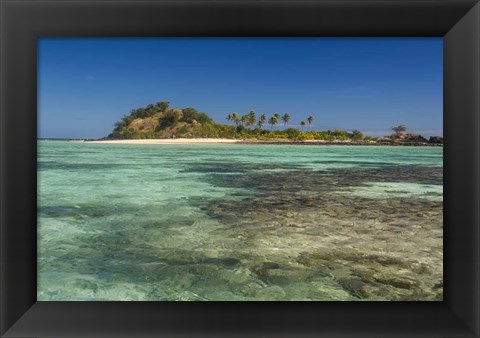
239 222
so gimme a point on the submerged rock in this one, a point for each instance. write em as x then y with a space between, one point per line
228 261
271 293
355 286
396 281
263 268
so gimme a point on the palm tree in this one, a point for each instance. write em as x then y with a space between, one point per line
303 124
285 119
236 118
273 120
310 120
261 120
252 118
244 120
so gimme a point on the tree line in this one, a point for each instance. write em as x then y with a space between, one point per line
251 121
249 125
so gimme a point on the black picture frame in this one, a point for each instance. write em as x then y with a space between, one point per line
23 21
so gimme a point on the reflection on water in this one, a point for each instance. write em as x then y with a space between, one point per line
239 222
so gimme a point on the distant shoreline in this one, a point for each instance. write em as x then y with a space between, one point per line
346 143
259 142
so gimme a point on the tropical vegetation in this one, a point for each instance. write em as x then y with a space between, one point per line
162 121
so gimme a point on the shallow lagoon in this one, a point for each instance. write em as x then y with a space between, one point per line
239 222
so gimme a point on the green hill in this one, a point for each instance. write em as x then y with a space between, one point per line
160 121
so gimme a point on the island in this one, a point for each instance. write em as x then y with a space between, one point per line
159 123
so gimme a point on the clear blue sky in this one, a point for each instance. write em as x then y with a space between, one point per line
370 84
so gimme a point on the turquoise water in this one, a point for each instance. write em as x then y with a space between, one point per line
239 222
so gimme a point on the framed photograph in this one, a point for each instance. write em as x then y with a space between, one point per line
224 168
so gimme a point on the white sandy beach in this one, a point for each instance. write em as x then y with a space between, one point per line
169 141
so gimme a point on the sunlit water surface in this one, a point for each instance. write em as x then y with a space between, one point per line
239 222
